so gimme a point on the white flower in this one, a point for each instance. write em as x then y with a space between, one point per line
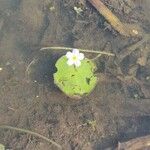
74 57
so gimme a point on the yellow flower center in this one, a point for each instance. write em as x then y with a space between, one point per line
74 58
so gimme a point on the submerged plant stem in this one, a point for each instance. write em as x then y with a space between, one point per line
32 133
82 50
97 57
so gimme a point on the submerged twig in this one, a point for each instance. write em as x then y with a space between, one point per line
82 50
32 133
122 28
127 51
97 57
134 144
29 66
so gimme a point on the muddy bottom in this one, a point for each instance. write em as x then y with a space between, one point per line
116 111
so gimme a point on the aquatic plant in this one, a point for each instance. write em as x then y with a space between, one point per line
75 74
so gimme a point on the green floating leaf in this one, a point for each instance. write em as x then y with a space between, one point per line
2 147
75 81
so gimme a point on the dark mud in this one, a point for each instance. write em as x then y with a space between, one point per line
119 105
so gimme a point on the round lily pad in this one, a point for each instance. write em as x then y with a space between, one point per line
75 81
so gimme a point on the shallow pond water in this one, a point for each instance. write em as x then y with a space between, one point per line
116 111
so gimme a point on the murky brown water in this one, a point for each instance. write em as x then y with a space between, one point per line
120 104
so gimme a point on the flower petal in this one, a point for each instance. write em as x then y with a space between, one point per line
70 62
75 52
68 55
77 63
81 56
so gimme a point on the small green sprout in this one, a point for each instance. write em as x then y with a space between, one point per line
136 96
78 10
92 124
51 7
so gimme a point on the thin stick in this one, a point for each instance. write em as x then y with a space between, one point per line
27 72
95 58
32 133
82 50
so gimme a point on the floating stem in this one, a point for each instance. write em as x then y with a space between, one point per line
82 50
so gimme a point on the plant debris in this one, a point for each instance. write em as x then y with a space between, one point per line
123 28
